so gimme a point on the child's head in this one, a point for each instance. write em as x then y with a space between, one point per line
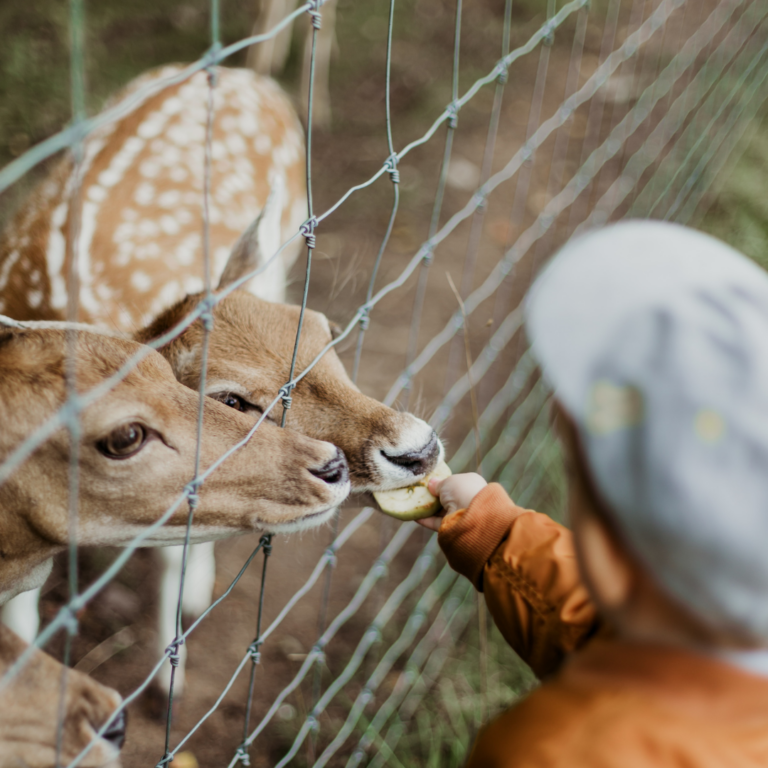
655 339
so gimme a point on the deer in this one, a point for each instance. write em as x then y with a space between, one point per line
30 710
270 56
136 453
253 332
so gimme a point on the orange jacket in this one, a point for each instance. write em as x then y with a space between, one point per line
614 704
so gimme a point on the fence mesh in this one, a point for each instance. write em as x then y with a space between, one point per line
629 108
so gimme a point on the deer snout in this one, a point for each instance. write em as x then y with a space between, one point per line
334 471
115 733
420 461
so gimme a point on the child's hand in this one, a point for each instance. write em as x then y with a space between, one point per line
455 493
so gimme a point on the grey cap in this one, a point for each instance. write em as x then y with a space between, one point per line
655 340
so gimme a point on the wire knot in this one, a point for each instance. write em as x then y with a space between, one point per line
365 319
330 555
191 489
285 394
429 255
319 654
314 12
253 651
173 651
206 316
548 31
391 166
503 72
453 116
313 723
242 756
266 544
307 229
210 60
71 623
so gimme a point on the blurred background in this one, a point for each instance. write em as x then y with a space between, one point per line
700 167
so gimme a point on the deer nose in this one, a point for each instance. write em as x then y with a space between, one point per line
115 733
335 471
418 462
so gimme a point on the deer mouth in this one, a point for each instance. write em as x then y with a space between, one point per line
415 456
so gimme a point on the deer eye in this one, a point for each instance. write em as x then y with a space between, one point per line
235 401
230 400
124 441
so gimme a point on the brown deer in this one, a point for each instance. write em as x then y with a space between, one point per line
30 712
252 339
136 453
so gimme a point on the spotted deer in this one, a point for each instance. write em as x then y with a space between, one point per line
137 451
269 57
252 339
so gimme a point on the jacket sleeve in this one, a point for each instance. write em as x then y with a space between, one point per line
525 564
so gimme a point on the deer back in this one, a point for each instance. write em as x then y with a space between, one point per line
135 219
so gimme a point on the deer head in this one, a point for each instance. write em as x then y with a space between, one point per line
136 453
30 712
249 360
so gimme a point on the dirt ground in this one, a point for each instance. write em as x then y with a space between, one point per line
117 629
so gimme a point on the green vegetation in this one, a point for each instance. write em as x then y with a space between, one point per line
738 213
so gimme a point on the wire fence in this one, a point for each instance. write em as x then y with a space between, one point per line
659 110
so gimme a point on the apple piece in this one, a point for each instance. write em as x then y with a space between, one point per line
415 501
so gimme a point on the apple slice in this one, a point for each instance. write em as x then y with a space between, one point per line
415 501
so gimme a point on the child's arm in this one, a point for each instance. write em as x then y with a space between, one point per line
524 563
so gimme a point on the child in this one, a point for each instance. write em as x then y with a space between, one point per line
649 623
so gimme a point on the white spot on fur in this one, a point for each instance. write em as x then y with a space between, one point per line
152 125
149 168
55 252
145 194
8 265
169 225
169 199
185 251
96 193
141 281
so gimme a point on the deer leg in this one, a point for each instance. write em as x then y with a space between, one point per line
21 614
326 43
170 581
270 56
201 576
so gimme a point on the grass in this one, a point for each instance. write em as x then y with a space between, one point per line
738 212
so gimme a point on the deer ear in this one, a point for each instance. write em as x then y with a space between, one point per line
245 254
7 322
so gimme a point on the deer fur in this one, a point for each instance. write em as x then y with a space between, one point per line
140 244
30 712
274 482
252 339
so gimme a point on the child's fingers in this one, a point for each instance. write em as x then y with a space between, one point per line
433 523
434 485
456 492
